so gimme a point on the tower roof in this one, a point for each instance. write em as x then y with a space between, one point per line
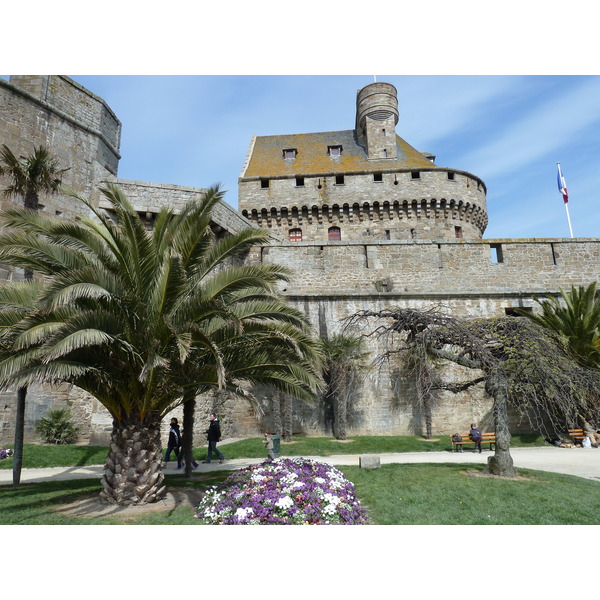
313 156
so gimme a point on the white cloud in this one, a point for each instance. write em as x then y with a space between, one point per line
541 132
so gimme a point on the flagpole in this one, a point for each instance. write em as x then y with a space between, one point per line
562 188
569 219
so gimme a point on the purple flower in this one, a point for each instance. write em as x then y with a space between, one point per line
5 453
289 491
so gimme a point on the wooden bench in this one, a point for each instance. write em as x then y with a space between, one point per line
486 438
576 435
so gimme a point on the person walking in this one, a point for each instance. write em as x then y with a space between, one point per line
213 435
174 442
475 435
268 442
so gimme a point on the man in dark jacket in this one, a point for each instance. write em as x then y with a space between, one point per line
213 435
174 441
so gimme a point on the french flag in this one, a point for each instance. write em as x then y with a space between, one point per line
562 185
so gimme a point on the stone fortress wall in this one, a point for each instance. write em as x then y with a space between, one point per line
439 268
410 234
419 203
466 278
81 130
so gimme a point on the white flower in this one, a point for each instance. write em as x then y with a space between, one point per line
333 500
242 513
285 502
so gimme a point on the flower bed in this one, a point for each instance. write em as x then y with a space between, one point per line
5 453
284 491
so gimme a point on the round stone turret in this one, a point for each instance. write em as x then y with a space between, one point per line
376 119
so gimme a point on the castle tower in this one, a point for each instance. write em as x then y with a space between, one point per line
376 120
76 126
359 184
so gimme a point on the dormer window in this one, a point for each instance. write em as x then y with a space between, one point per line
334 150
290 153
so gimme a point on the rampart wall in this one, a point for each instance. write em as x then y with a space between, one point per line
147 199
438 268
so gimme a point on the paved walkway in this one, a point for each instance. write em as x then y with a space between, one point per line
571 461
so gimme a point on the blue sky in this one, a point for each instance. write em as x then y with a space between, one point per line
502 93
508 130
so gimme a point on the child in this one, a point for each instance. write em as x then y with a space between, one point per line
268 442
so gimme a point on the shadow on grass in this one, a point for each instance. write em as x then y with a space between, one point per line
45 503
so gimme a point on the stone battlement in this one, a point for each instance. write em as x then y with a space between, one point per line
398 204
447 267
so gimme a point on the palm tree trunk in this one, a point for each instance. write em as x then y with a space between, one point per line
132 473
501 463
189 405
20 419
276 406
287 418
341 400
19 435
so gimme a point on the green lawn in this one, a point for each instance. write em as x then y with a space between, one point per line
444 494
413 494
323 446
36 455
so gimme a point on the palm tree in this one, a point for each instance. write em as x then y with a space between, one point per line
576 321
30 176
142 321
344 358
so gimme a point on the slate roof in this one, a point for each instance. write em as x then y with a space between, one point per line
266 157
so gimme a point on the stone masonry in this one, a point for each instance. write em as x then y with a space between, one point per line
362 218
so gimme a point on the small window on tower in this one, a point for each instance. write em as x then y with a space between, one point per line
458 231
450 175
334 150
299 181
377 177
290 153
415 174
264 184
339 180
334 234
295 235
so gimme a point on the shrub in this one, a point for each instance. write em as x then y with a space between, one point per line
56 427
284 491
